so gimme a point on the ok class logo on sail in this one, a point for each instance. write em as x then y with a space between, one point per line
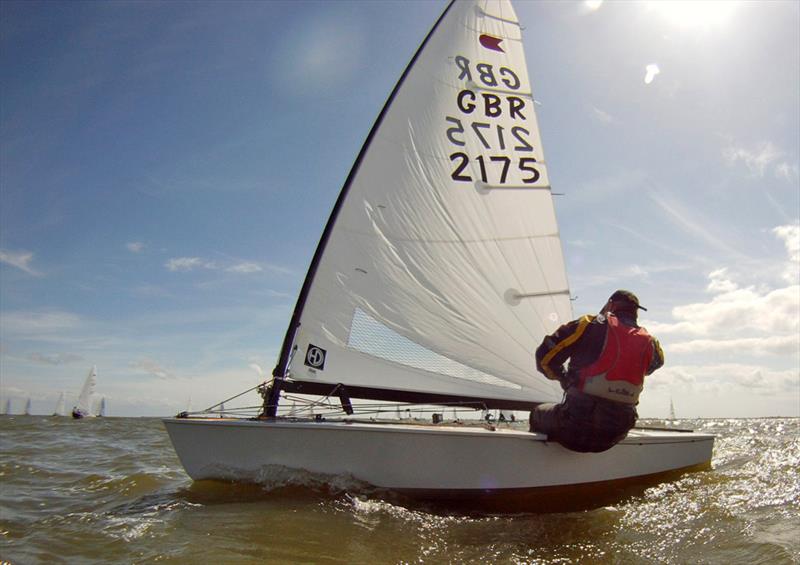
315 357
491 116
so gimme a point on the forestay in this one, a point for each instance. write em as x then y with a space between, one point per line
443 269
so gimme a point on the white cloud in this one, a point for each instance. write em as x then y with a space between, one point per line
720 282
239 267
744 309
756 321
712 379
151 367
188 264
135 246
19 259
790 235
601 116
760 158
787 172
54 359
758 346
38 324
245 267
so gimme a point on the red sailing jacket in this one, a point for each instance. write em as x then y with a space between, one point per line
618 373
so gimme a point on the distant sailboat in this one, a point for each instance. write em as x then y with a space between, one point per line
7 410
83 409
28 407
60 405
102 411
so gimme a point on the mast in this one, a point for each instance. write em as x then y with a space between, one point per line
279 372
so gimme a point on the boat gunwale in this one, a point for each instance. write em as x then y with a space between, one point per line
635 437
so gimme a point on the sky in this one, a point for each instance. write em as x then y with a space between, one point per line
166 169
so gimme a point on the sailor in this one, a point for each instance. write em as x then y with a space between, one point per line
609 355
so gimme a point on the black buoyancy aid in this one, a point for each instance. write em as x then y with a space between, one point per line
618 373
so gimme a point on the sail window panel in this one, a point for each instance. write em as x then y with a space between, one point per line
349 366
370 336
448 298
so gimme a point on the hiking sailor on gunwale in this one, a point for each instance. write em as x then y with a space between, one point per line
609 355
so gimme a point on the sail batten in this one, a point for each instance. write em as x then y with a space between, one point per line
441 267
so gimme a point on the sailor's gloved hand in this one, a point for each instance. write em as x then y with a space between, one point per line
567 380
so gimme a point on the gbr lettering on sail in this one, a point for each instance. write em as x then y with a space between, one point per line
487 127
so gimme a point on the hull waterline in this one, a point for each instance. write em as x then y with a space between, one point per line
464 467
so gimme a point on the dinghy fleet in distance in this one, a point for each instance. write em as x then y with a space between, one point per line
88 404
388 357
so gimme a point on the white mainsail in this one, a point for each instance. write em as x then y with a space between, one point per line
443 269
28 408
85 397
60 405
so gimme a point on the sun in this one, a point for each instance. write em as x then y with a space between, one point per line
695 13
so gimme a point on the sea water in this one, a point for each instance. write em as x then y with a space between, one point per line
111 490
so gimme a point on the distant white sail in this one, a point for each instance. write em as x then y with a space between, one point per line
60 406
84 405
28 407
102 409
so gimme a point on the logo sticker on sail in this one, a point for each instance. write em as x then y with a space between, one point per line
315 357
491 42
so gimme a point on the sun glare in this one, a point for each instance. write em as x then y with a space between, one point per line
650 73
695 13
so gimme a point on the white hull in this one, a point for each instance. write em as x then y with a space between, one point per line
430 462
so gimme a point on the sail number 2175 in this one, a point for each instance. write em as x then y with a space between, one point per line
492 168
500 165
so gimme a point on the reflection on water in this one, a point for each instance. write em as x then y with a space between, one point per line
98 491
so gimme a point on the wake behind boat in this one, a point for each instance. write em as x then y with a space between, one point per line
438 272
